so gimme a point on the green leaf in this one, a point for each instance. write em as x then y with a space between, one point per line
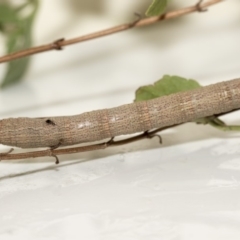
165 86
7 14
156 8
217 123
173 84
18 31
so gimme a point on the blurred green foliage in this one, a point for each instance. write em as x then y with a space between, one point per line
16 25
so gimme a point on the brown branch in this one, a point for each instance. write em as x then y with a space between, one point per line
111 143
57 45
61 151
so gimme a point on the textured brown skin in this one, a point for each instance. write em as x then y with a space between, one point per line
126 119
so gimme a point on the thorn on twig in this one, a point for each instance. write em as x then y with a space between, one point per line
54 155
138 15
111 141
6 153
57 44
150 136
54 147
57 159
138 18
199 7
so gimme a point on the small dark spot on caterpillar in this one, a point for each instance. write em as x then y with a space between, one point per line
49 121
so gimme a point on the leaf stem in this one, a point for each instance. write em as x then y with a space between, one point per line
225 127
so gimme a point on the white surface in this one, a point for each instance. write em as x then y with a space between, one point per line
188 188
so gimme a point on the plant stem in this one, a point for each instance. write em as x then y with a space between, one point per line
54 152
58 44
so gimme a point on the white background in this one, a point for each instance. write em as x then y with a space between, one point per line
188 188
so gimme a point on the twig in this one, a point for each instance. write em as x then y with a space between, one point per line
111 143
58 44
54 152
